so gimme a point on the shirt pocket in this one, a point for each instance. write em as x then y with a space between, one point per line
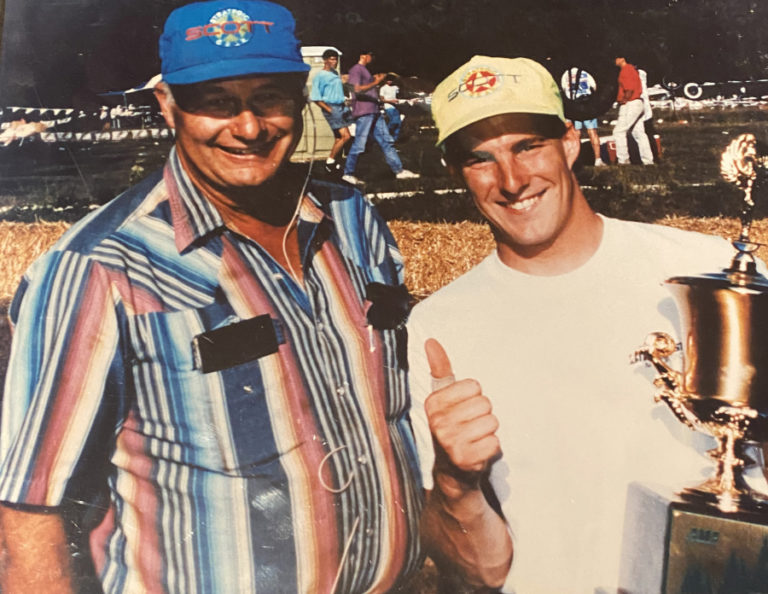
217 421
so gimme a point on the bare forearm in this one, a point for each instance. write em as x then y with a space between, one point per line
34 555
463 533
365 87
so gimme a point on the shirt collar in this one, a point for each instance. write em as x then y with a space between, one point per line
192 214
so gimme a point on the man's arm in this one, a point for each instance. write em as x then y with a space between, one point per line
460 529
317 94
34 553
377 78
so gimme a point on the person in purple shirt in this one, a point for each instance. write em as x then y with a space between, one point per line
367 116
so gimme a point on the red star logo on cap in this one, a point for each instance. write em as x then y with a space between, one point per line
479 82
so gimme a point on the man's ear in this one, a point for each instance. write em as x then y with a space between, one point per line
165 99
571 143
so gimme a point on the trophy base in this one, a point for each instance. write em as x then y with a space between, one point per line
674 545
736 500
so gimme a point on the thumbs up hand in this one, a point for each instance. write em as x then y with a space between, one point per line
461 421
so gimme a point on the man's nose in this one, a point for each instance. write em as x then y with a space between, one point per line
249 125
512 176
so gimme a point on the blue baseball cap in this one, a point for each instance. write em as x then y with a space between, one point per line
225 38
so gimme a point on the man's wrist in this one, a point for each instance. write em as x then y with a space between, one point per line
464 504
455 484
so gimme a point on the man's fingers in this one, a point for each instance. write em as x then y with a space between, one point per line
472 456
460 418
469 432
463 401
439 364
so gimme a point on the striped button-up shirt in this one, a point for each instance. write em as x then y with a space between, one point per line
294 471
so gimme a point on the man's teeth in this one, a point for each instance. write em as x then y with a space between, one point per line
523 204
239 151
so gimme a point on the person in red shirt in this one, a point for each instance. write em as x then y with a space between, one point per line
630 115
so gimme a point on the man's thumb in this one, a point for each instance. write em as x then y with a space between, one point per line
439 364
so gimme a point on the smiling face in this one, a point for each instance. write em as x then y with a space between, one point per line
234 134
523 184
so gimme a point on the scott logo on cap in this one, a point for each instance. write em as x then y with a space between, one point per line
479 82
476 83
229 28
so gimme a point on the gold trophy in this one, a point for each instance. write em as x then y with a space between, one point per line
722 390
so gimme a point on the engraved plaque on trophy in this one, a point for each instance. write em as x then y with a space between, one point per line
711 537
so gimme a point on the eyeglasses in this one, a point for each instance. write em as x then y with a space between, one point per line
218 103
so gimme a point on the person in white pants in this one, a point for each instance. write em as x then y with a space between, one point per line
630 117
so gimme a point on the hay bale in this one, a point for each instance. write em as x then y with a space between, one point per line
434 253
20 245
437 253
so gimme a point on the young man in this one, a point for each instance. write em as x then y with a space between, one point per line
631 112
525 406
188 356
328 92
368 120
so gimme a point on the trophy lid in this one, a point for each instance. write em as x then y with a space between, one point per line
741 275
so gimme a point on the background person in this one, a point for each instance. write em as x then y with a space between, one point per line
525 406
578 84
388 95
187 357
328 92
631 111
365 111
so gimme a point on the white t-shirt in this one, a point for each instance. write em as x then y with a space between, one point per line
388 92
578 421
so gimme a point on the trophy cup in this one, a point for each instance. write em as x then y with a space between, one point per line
696 540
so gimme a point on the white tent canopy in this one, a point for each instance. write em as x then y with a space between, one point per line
147 86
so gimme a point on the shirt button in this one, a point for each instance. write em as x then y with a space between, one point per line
319 326
341 390
248 389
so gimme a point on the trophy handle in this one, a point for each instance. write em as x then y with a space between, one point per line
655 350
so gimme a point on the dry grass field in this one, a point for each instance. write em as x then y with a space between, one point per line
435 253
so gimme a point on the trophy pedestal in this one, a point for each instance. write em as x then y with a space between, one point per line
671 546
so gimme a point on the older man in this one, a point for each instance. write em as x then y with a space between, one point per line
545 423
216 355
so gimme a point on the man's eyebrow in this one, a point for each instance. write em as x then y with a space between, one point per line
210 89
526 142
484 155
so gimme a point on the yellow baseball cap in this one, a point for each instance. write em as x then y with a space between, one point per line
487 86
